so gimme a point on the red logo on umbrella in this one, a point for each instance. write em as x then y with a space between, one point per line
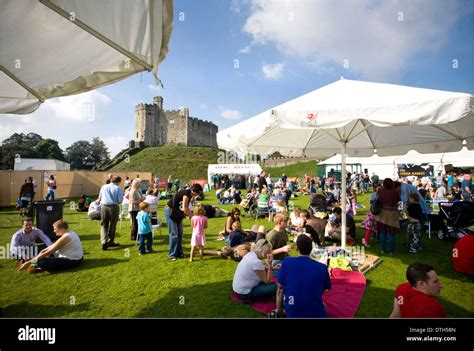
312 117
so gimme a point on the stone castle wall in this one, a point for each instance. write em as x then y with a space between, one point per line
155 126
176 127
201 133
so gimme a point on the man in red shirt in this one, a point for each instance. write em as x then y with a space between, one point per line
415 299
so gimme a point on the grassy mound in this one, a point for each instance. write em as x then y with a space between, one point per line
181 162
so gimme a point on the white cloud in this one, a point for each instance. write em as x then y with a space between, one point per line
203 106
65 119
229 114
154 87
245 50
367 33
273 71
84 107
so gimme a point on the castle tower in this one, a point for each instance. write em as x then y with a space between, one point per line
147 124
140 124
158 101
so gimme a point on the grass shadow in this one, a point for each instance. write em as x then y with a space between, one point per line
210 300
45 311
93 263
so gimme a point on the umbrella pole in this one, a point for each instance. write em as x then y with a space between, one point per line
344 196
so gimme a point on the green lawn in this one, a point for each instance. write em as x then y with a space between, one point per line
119 283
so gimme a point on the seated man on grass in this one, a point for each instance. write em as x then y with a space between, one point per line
68 249
22 246
278 237
416 298
83 203
301 284
94 210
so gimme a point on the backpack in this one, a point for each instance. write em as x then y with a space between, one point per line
376 207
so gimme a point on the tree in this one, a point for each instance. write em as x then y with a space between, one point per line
98 151
19 146
78 155
49 148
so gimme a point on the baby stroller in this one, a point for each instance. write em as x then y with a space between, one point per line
247 204
458 217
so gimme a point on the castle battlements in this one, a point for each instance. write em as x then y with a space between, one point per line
155 126
145 107
204 122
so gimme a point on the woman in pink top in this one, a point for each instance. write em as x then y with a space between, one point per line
199 223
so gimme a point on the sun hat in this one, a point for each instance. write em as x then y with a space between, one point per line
321 215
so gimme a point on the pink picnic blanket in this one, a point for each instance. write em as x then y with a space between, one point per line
342 301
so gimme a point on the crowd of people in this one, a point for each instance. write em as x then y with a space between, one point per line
285 278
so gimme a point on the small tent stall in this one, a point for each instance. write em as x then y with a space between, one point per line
386 166
213 169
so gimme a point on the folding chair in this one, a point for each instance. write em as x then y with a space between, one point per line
155 220
124 214
262 208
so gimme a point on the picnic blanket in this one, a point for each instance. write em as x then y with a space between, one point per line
342 301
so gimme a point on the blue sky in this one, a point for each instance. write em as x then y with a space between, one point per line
230 60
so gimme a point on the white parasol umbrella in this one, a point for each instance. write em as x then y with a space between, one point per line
51 48
357 119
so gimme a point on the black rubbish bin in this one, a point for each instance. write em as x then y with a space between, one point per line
48 212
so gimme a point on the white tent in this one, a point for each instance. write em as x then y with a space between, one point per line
52 48
237 168
386 167
356 118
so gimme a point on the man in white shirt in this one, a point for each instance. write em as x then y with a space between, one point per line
269 182
440 192
22 245
94 210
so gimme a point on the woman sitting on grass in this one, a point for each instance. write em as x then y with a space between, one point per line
252 280
295 222
68 248
232 217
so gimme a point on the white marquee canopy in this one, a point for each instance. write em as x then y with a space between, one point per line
52 48
356 118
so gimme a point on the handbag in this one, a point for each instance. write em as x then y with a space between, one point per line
376 207
176 215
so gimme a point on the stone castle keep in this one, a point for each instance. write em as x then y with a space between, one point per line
155 127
